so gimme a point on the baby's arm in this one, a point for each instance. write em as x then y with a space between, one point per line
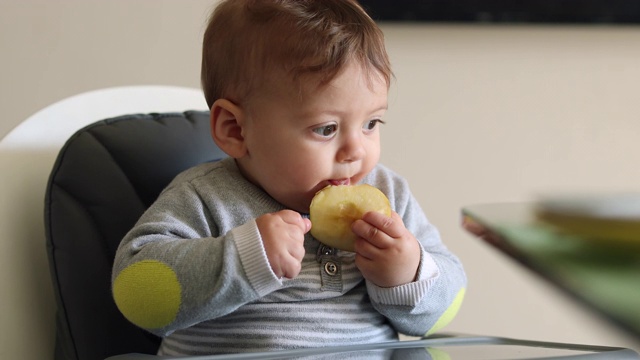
174 268
431 299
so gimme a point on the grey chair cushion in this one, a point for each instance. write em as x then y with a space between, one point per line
104 178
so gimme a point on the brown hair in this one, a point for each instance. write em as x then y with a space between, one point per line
249 42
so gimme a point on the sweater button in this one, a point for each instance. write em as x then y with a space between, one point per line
331 268
326 250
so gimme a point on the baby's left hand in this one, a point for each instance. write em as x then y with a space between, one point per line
387 254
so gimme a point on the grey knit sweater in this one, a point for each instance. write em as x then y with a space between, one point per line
194 270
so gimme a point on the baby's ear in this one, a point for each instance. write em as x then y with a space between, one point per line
227 120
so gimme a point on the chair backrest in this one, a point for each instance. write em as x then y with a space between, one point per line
104 178
27 154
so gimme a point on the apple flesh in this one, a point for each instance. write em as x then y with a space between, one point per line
334 208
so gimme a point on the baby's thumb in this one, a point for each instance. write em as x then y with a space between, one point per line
307 225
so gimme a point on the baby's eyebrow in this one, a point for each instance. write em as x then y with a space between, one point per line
320 112
383 107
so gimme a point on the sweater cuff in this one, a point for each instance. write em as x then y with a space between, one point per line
254 259
408 294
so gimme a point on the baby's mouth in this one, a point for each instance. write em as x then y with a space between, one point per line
336 182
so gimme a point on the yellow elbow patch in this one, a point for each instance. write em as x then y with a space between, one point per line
437 354
148 294
449 314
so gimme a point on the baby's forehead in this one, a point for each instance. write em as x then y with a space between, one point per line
309 95
308 83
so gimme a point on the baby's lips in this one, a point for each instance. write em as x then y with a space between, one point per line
339 182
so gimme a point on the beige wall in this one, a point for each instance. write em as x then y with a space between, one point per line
498 113
478 114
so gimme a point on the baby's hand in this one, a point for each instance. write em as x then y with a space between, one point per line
387 254
283 238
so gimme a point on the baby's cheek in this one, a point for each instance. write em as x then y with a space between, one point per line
148 294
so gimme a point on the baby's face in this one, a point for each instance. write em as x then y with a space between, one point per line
298 145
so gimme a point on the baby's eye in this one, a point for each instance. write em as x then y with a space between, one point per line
326 130
370 125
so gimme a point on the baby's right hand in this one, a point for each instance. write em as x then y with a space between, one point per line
283 238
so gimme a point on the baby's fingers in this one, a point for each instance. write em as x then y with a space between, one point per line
290 267
293 218
391 226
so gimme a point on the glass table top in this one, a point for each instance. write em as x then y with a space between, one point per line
437 347
603 275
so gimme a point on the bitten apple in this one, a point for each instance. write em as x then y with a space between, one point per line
334 208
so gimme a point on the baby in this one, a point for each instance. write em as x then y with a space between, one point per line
223 261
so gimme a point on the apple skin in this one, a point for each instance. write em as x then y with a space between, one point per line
334 208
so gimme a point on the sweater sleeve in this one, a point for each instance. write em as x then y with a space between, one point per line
174 269
433 299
